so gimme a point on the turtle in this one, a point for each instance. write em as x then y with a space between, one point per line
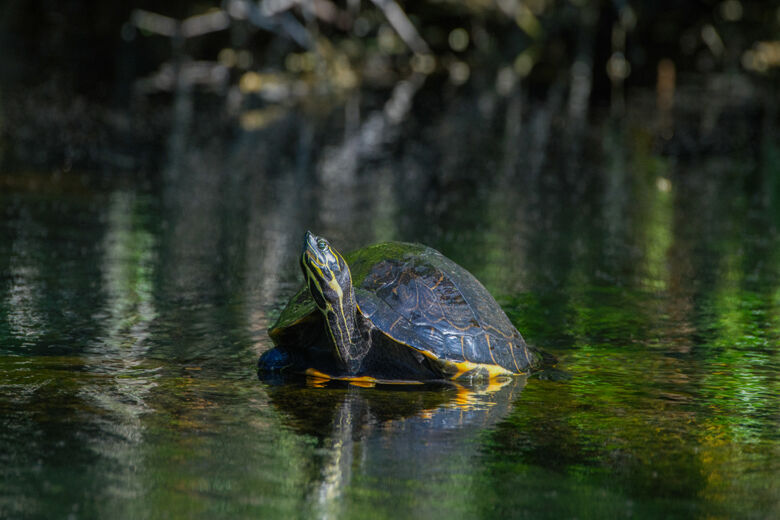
393 312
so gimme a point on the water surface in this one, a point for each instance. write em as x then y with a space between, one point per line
133 307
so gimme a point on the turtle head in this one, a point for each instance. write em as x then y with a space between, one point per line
330 284
325 271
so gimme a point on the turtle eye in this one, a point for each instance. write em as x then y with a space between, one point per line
322 245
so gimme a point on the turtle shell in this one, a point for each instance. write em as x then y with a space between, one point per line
420 299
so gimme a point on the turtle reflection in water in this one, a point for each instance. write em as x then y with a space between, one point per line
393 312
388 434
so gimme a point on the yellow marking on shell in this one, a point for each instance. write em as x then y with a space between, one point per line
492 370
395 323
467 327
497 331
512 350
442 312
440 280
463 367
490 349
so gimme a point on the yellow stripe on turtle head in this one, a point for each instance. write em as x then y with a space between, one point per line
330 302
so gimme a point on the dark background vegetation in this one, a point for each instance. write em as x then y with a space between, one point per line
79 78
79 43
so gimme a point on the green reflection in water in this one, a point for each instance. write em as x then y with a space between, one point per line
131 320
